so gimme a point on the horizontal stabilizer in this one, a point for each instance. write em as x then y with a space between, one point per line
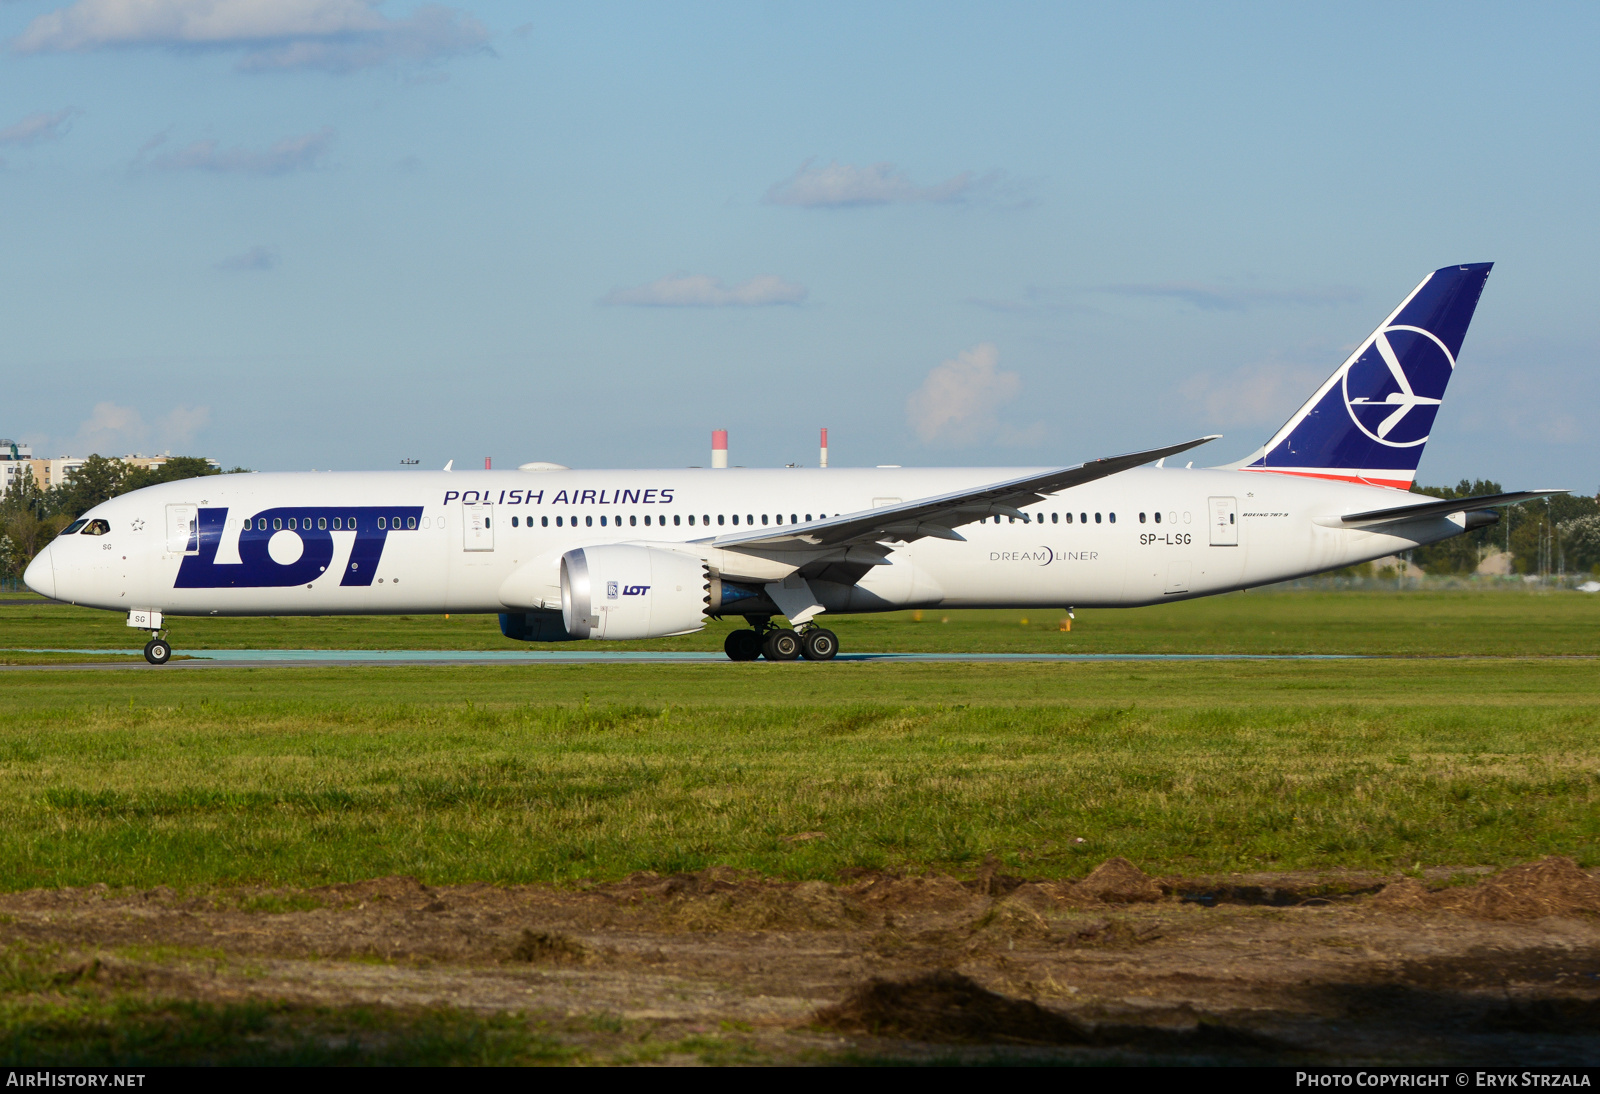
1441 508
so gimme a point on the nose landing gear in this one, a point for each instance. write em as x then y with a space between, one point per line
158 651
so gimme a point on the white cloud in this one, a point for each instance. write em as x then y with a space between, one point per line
110 430
336 35
39 127
844 184
257 258
177 427
701 291
958 403
113 430
288 154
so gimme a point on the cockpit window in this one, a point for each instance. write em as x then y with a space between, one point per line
73 527
96 528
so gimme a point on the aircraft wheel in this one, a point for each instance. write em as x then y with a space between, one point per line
781 646
742 645
818 644
157 651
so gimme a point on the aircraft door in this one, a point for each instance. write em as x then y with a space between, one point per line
477 526
1224 522
183 536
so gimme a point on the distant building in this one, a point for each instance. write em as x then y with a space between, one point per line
17 458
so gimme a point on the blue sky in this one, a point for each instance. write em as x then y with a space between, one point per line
334 234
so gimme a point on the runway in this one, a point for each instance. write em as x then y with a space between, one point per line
308 658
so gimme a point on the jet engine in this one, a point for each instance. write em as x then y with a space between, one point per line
617 591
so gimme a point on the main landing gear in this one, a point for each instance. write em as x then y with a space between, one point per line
779 643
158 651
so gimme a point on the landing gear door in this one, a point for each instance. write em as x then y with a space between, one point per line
1224 522
183 535
477 527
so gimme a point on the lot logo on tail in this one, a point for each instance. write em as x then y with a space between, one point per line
1394 389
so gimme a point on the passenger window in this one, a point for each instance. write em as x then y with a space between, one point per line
677 520
691 520
1069 518
602 522
736 518
763 519
749 518
1097 518
1113 517
588 522
635 520
277 524
719 518
513 522
808 518
1172 517
380 524
558 522
544 522
1141 518
322 524
705 519
1083 518
794 519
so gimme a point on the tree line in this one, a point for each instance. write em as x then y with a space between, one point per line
1557 533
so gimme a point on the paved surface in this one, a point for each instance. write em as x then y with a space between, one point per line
280 658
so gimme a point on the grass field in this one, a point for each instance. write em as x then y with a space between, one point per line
1442 623
304 776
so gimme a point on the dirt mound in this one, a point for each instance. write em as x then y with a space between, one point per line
1552 886
1406 895
1115 881
935 893
550 948
811 905
947 1006
1009 920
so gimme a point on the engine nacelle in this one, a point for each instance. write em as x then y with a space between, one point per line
615 591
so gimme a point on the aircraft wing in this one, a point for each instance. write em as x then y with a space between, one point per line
939 516
1436 507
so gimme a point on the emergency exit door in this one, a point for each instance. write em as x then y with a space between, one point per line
477 527
1224 522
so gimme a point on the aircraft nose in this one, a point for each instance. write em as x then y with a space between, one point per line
40 576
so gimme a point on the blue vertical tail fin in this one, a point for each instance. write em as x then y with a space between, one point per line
1369 420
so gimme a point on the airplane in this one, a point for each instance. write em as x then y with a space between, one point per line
564 555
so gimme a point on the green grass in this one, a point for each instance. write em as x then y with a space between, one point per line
1450 623
289 777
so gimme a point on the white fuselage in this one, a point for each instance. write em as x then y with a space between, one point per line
461 535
